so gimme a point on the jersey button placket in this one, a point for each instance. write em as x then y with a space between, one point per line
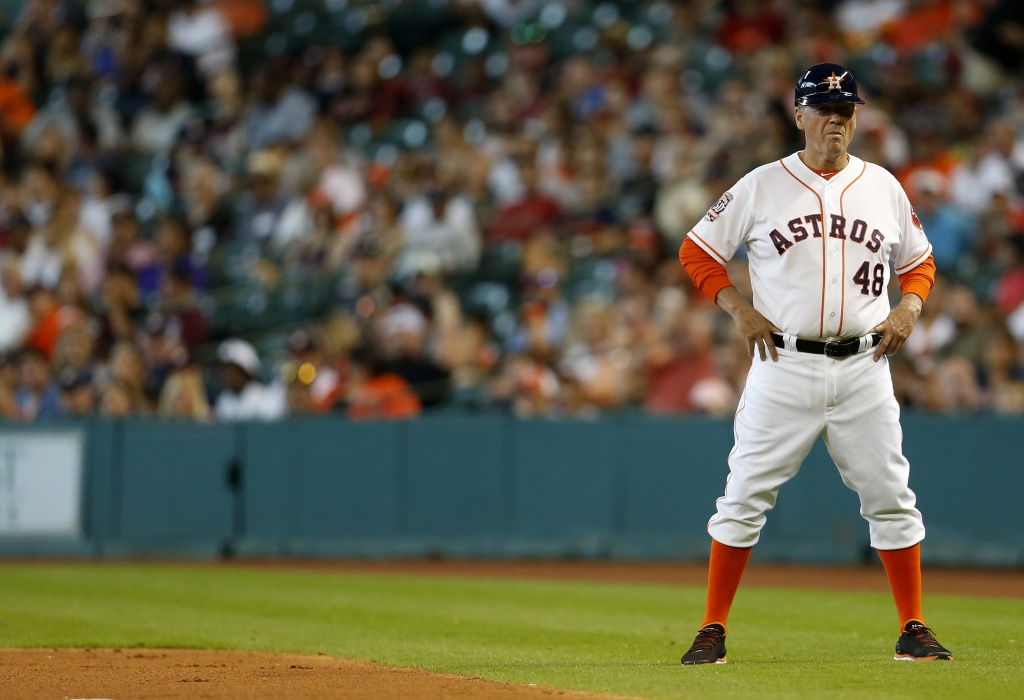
834 260
834 265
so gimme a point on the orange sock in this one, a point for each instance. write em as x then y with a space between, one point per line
724 573
903 567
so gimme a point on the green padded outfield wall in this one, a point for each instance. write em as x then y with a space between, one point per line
308 484
171 490
492 486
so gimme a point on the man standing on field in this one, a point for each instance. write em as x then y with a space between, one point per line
821 229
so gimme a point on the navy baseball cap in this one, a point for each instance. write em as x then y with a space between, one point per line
826 83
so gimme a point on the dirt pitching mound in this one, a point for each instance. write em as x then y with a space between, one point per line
28 674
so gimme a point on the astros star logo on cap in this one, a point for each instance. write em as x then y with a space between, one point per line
835 81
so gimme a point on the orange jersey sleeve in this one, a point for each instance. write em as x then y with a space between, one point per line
708 275
919 281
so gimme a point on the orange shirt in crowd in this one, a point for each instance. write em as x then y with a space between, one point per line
44 335
16 107
930 22
245 17
383 396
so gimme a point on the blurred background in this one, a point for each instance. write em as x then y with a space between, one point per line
409 206
230 210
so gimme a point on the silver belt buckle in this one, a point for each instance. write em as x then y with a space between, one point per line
832 349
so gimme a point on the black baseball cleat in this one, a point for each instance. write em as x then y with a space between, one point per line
708 647
918 643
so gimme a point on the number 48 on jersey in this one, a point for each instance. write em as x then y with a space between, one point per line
875 279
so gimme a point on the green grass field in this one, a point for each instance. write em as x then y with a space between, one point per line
604 637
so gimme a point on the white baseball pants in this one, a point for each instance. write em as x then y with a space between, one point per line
785 406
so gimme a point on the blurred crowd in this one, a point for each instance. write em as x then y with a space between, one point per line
231 210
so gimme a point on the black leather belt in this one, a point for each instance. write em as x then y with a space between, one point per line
835 349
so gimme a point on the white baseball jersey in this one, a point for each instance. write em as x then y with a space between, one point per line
819 250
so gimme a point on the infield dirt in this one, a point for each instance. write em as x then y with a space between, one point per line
27 674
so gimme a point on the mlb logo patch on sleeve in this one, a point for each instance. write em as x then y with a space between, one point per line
716 210
913 216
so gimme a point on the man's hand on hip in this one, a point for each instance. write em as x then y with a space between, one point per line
754 327
897 327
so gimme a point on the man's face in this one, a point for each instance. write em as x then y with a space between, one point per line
233 377
79 401
35 372
124 229
264 188
927 200
10 280
828 128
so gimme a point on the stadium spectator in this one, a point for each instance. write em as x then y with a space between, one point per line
243 396
75 350
183 395
376 393
999 38
117 400
129 382
950 230
267 216
404 335
14 311
749 26
101 196
986 172
527 387
156 127
935 328
532 215
48 319
77 394
38 395
16 106
321 385
336 171
224 135
174 252
207 209
279 110
1008 293
179 306
595 366
683 377
474 354
1002 374
9 379
199 30
120 311
438 232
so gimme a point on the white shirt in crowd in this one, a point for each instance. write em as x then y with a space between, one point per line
14 320
203 34
453 242
255 402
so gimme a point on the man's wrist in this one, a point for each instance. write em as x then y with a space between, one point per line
727 298
912 303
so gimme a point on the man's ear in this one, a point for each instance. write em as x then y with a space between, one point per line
798 115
